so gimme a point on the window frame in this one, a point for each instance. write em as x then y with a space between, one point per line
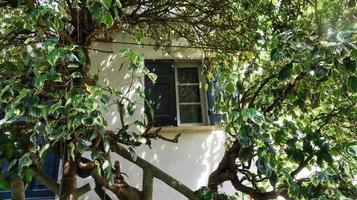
192 63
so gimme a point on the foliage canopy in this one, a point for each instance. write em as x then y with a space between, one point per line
285 71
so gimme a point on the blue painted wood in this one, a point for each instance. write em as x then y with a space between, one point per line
212 92
36 190
162 94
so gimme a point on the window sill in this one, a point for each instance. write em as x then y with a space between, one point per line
187 129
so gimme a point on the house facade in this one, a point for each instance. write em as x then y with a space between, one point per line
183 105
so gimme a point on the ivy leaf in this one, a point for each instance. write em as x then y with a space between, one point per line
54 107
87 121
118 3
54 56
91 104
104 99
253 114
73 66
132 154
24 161
4 184
57 77
106 145
81 145
107 170
152 77
352 150
72 149
108 19
246 154
204 193
285 72
28 175
40 81
352 83
40 128
263 167
273 179
76 75
245 140
107 4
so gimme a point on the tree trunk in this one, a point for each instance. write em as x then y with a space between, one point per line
68 181
17 189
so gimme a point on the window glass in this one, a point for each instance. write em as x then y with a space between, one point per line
190 113
189 93
187 75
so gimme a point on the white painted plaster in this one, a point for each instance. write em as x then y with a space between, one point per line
190 161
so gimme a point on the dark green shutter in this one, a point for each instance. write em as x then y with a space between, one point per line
162 94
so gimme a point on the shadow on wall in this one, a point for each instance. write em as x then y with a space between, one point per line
190 161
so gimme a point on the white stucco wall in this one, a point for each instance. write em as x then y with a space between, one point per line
190 161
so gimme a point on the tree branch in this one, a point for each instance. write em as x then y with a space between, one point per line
46 180
172 182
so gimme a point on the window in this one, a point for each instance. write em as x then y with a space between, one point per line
189 95
177 97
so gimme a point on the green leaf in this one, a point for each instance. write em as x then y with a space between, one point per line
106 145
4 184
108 19
273 179
352 150
40 128
57 77
263 167
322 177
40 81
28 175
351 3
204 193
107 170
71 150
12 113
152 77
352 84
92 104
246 154
231 87
82 58
76 75
71 58
107 4
90 134
25 161
285 72
245 140
87 121
105 99
75 100
73 65
280 136
118 3
253 114
54 107
54 56
132 154
81 146
58 24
